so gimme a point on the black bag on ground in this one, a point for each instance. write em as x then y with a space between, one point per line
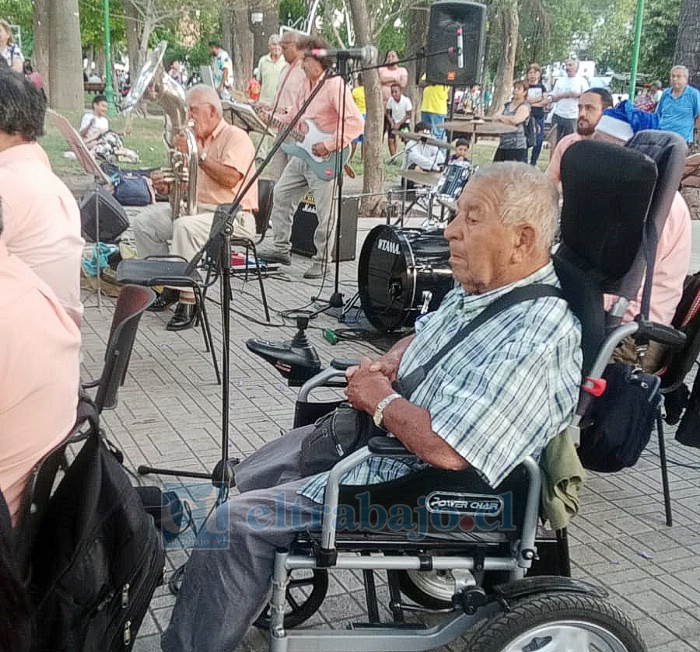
621 419
97 560
112 216
335 436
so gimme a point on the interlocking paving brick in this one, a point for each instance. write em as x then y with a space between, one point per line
169 415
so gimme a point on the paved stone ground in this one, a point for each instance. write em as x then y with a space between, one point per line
168 415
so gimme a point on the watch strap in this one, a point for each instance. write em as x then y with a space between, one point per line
383 404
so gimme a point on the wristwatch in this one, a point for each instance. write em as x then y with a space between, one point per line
378 417
203 157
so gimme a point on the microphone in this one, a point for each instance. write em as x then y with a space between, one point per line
460 47
367 55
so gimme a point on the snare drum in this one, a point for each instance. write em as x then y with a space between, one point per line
453 179
402 273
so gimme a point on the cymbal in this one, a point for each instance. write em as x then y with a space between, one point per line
408 135
420 177
478 127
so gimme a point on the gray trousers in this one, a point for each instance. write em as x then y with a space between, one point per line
296 180
225 589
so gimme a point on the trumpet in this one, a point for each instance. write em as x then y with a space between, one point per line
181 173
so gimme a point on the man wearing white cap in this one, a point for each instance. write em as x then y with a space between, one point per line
672 254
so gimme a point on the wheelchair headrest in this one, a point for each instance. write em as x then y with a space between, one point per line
607 192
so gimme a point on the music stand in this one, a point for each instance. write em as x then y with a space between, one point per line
244 116
86 159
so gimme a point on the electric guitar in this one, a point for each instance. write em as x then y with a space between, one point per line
325 168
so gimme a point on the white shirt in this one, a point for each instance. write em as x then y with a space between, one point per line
399 109
222 61
100 126
568 107
426 157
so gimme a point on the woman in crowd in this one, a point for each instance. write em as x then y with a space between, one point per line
513 145
9 50
537 99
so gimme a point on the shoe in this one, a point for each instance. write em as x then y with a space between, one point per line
315 271
165 299
186 316
275 256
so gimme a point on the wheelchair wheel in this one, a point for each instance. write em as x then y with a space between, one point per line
550 622
305 593
430 589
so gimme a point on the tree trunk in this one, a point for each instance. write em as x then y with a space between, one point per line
132 30
416 37
65 62
226 18
373 180
503 84
41 40
242 45
270 10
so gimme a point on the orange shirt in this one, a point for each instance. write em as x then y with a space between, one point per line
42 222
39 374
326 110
231 146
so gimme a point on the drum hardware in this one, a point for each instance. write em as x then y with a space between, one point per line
427 298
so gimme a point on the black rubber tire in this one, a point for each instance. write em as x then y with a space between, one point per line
495 634
300 612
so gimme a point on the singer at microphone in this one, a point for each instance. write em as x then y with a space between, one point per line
367 54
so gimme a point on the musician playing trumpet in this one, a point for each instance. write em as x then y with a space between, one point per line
225 161
321 122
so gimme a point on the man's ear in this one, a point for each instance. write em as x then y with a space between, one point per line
525 242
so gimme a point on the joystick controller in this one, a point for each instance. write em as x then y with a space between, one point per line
295 359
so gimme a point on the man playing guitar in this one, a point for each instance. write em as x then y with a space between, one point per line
306 170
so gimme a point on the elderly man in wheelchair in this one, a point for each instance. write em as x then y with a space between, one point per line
470 402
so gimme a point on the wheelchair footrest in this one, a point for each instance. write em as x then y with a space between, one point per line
416 627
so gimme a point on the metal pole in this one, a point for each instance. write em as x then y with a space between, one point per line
109 89
635 49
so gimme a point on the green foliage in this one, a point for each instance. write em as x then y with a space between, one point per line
291 11
92 18
19 12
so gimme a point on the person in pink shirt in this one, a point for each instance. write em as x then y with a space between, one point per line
591 105
333 113
390 74
672 259
39 373
291 80
42 219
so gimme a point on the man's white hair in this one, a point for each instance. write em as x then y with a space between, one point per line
525 196
274 39
207 95
683 69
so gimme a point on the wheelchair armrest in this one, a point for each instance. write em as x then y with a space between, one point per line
661 333
388 447
166 257
342 364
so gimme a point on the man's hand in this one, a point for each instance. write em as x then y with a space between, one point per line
319 149
160 185
366 388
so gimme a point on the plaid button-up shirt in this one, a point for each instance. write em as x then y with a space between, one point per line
501 394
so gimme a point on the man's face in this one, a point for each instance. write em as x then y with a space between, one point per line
462 151
396 93
590 110
204 117
213 50
100 109
481 246
275 50
289 49
571 68
679 80
312 68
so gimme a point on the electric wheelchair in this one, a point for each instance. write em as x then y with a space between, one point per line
501 585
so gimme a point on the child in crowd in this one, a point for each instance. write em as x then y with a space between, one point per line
461 151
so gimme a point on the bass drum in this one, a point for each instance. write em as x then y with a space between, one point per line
402 273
